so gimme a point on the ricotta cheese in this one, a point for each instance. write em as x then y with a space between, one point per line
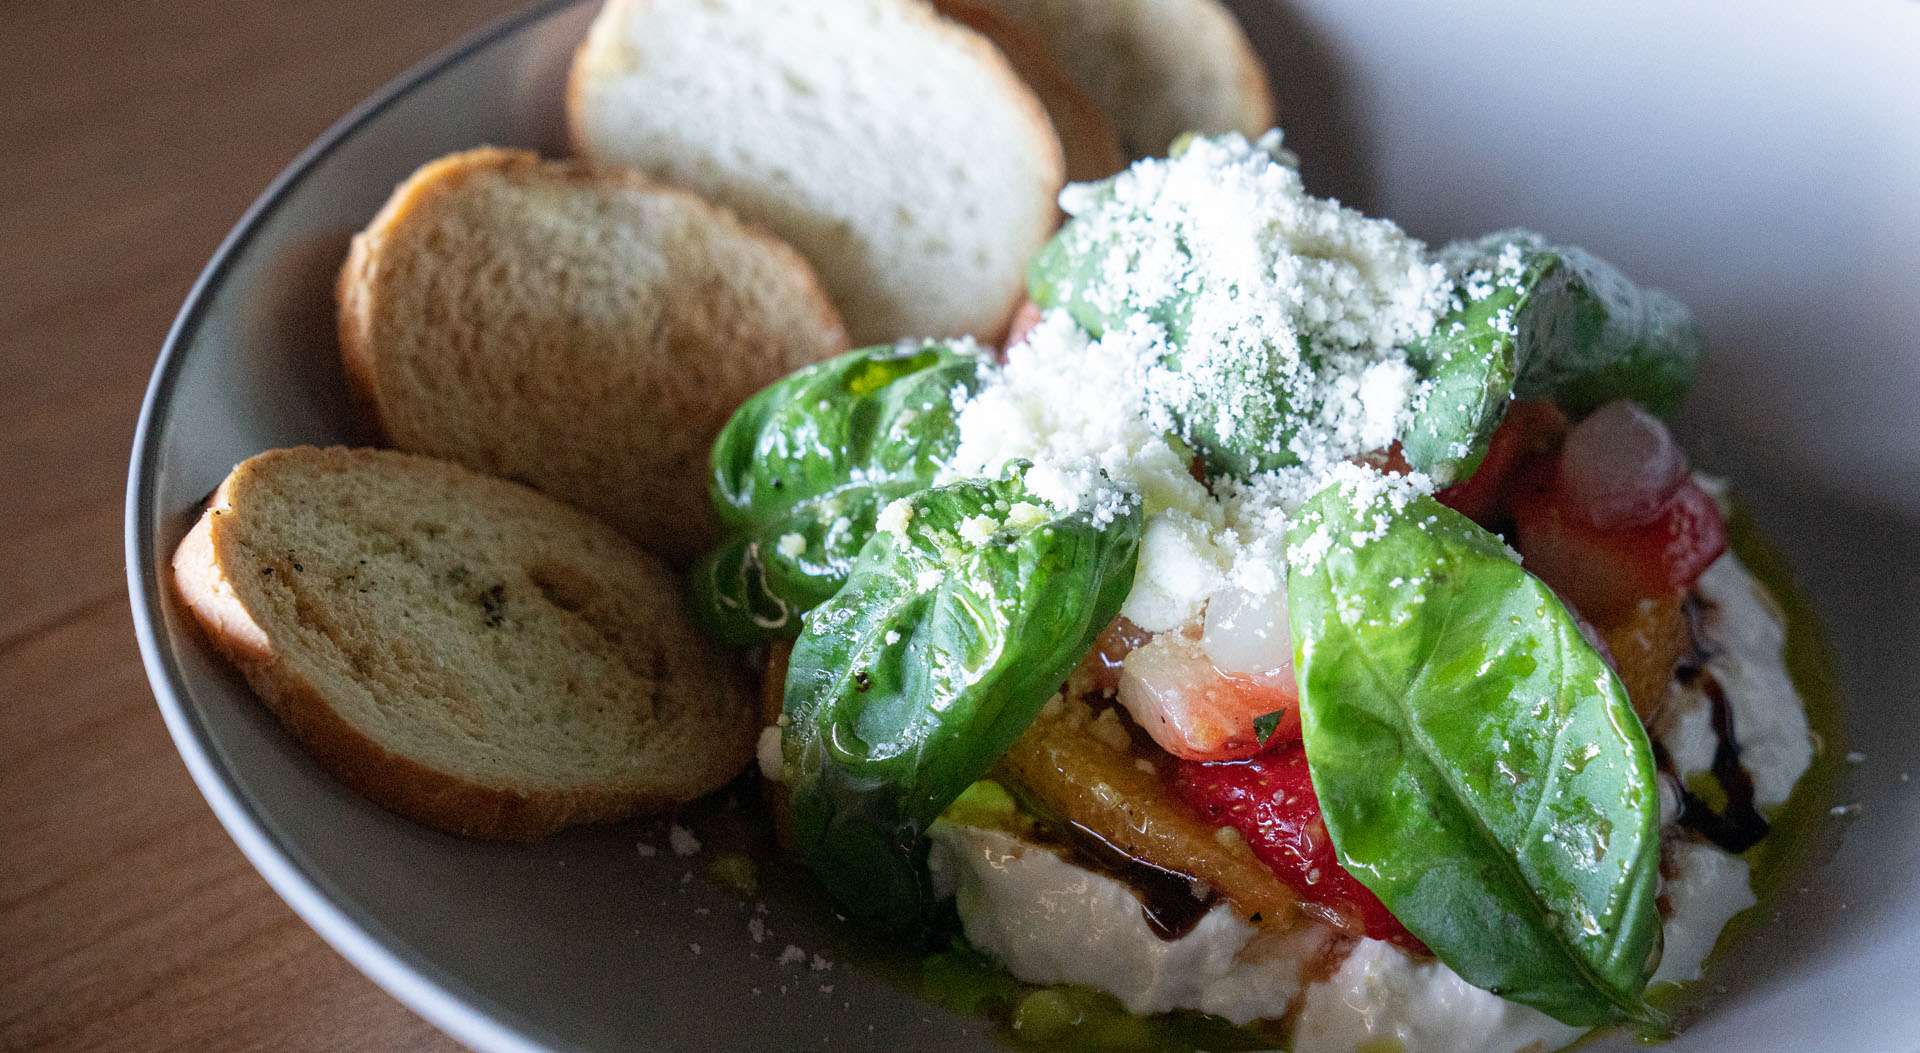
1746 644
1380 994
1052 922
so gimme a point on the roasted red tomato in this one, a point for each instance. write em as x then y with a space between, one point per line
1269 799
1529 430
1614 518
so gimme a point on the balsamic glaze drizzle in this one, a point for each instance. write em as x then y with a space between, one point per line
1740 826
1168 899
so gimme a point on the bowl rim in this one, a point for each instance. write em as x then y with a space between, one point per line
427 989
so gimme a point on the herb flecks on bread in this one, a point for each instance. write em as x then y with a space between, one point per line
584 331
461 649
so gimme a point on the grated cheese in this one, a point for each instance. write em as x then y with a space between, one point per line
1289 292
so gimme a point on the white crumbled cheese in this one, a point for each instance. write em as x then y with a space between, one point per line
978 530
894 518
1025 515
1107 728
1280 270
792 546
1284 292
892 637
792 955
1180 566
682 841
768 753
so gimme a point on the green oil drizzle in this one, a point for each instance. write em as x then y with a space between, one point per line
1796 839
1069 1017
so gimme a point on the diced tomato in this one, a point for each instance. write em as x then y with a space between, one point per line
1530 429
1605 573
1269 799
1192 710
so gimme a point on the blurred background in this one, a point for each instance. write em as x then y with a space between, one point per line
133 136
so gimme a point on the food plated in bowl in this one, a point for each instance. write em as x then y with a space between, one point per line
1204 584
459 875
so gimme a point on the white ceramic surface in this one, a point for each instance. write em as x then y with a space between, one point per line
1760 159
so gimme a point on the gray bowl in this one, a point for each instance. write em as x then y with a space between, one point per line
1758 159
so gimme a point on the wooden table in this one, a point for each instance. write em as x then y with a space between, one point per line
132 136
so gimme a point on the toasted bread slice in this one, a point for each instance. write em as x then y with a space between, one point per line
585 332
462 649
1087 139
1160 68
898 151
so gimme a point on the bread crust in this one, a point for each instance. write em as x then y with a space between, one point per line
1088 145
702 705
1129 57
735 310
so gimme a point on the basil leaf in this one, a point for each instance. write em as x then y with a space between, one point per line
1478 764
1534 320
1266 724
802 468
754 587
1249 401
957 624
1243 424
1467 366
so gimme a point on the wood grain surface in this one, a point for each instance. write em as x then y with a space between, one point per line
132 137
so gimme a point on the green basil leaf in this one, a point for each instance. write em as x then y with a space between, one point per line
872 417
1478 764
1266 724
1243 418
1467 365
960 619
1244 424
1534 320
803 467
755 586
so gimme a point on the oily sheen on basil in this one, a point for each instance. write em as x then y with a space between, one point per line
954 627
1478 763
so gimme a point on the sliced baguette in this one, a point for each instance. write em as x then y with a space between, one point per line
585 332
896 150
1160 68
461 649
1087 140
